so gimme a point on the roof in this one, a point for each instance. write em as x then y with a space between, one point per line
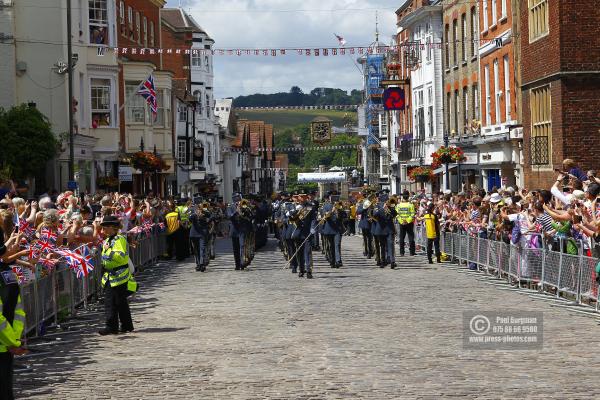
180 20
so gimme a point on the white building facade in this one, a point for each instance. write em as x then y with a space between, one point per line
425 25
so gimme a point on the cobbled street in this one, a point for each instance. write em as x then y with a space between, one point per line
357 332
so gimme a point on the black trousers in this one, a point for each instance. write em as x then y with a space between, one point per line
235 242
116 307
436 244
176 245
381 243
407 229
352 226
367 242
6 376
330 248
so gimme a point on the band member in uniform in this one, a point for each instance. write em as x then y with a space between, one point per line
305 227
238 231
290 245
405 211
201 221
333 229
365 210
381 229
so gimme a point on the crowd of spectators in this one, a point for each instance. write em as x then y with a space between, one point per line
36 230
564 217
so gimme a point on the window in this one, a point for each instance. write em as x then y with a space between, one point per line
136 105
465 107
122 12
137 27
182 113
145 31
503 12
151 33
488 98
98 22
196 59
206 63
198 96
447 37
207 105
456 111
507 88
419 116
541 125
209 154
130 21
100 102
430 126
465 37
497 91
429 49
538 18
454 41
448 111
494 12
474 31
485 15
181 150
163 110
475 99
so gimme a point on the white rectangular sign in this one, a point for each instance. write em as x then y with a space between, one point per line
471 158
322 177
125 173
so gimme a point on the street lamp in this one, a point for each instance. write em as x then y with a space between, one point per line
446 143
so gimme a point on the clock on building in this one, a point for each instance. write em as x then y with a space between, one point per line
320 129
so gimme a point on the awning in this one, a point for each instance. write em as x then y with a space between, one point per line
442 169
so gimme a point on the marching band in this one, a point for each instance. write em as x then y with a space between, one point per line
302 224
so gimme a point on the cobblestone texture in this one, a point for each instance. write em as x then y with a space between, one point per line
356 332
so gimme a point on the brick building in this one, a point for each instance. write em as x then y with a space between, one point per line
560 69
461 85
139 30
499 143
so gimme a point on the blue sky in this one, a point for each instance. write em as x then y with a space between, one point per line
279 23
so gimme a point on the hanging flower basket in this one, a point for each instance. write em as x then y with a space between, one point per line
148 162
108 182
447 155
420 174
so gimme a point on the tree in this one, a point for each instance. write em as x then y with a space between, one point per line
27 141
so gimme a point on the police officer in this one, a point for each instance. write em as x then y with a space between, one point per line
183 210
117 280
12 318
238 231
405 211
201 220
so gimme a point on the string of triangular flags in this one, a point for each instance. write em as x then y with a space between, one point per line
288 149
315 52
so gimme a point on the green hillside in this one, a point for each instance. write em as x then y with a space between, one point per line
282 119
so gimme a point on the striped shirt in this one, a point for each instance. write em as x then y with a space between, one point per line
546 221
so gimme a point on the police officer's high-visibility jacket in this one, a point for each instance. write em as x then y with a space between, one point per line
10 334
115 262
184 215
405 212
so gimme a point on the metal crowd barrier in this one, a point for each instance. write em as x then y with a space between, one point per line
570 276
59 294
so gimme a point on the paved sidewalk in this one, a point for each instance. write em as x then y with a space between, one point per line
354 333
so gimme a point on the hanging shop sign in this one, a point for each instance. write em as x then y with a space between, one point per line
320 129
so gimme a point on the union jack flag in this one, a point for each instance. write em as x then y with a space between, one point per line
44 246
34 253
148 92
48 263
18 271
49 235
80 260
26 229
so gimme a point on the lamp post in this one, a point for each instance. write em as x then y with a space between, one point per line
446 143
